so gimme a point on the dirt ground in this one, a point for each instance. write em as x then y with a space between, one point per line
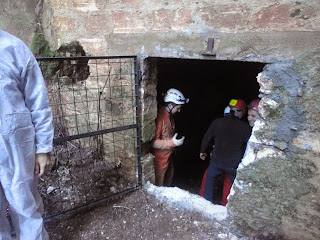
138 215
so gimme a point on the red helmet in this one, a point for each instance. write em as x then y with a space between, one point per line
237 104
254 105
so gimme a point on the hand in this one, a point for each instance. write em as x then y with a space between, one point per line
42 163
177 142
203 156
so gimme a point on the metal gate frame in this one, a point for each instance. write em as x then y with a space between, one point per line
136 126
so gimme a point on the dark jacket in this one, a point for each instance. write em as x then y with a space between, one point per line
230 136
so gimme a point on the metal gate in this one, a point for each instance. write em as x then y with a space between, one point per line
94 101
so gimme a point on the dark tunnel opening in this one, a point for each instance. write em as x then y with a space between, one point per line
209 85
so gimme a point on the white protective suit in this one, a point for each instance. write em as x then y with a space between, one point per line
25 129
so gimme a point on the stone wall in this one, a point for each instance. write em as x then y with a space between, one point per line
278 195
20 18
271 194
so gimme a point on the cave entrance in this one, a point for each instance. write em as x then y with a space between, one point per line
209 84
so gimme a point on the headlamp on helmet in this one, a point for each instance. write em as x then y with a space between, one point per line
254 105
175 96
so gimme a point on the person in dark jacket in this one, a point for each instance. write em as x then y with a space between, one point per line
230 136
226 112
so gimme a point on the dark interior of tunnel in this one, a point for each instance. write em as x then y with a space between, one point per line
209 84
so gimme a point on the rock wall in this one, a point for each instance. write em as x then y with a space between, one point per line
271 194
20 18
278 195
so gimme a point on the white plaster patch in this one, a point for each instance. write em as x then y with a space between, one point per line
188 201
93 45
170 51
265 83
268 152
87 6
264 103
259 125
227 236
240 185
143 53
270 102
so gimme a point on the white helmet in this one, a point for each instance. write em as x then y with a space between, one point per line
226 111
175 96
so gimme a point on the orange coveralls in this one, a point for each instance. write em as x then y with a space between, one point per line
162 147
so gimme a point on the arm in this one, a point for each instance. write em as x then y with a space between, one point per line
36 99
209 135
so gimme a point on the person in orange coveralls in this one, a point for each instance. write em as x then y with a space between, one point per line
165 137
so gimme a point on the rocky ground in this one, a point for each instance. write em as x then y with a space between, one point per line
138 215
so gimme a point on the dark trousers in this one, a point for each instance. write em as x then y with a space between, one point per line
214 171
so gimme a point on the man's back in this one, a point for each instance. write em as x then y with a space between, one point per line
230 136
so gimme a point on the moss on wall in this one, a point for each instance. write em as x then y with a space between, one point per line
273 186
40 46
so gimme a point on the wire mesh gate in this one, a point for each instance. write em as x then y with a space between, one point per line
94 101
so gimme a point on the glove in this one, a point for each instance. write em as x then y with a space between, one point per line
177 142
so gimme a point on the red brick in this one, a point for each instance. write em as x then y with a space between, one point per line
161 20
275 15
181 19
225 16
127 22
93 23
166 20
205 14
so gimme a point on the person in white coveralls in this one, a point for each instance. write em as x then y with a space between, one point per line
26 135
